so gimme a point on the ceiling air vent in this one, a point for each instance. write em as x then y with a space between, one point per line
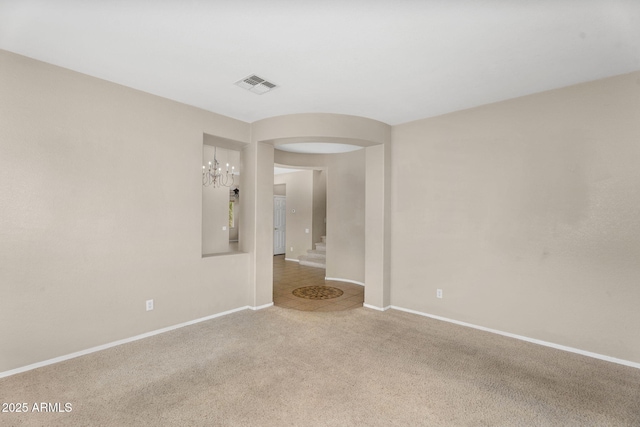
256 84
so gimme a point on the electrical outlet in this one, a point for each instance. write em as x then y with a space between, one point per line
149 304
439 293
224 228
291 249
306 230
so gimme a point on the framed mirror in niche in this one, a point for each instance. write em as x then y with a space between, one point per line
220 196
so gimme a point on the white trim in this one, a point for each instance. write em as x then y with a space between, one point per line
373 307
260 307
337 279
115 343
523 338
291 259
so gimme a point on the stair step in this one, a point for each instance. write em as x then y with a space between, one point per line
321 246
312 262
312 253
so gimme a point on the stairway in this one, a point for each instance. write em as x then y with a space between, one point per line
316 257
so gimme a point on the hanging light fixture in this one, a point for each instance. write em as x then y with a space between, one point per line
214 176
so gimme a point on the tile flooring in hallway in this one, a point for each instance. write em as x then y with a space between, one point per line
289 275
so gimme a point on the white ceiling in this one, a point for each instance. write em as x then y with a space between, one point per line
390 60
318 147
280 170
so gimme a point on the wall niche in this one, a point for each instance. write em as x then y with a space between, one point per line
220 195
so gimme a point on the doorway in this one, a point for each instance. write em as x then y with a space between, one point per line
279 224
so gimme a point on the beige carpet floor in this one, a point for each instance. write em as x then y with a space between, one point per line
282 367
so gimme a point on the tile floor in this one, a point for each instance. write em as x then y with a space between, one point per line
289 275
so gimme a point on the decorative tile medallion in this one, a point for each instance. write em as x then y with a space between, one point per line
317 292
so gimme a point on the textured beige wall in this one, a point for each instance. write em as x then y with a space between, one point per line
345 215
264 225
526 213
256 236
319 226
279 189
101 210
377 265
299 189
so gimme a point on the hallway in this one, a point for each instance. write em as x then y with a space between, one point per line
289 275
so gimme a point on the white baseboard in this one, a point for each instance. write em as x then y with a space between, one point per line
373 307
522 338
292 259
260 307
120 342
337 279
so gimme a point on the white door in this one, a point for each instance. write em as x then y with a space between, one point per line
279 225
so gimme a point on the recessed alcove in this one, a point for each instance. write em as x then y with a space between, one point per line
221 204
358 182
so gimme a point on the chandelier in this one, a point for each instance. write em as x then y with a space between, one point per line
213 175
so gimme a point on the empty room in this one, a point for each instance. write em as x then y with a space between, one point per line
320 213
